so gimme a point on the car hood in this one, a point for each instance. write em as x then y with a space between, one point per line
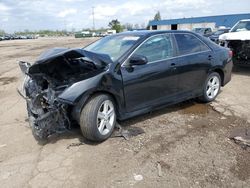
240 35
61 66
51 54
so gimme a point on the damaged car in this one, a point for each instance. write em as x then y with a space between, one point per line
119 77
238 40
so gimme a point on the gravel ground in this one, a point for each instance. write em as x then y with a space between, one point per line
184 145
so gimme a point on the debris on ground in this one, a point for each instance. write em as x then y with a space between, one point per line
75 144
138 177
241 136
159 169
127 133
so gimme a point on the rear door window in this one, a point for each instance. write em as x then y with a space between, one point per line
188 44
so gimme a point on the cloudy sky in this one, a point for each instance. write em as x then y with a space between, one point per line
17 15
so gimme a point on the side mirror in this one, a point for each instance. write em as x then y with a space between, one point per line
138 60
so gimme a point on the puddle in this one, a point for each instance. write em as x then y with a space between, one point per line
196 108
7 80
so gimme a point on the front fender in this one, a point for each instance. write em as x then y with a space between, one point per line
78 93
73 93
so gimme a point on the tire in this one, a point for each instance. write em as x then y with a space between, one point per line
98 118
213 82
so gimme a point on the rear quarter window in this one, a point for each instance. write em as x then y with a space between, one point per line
188 44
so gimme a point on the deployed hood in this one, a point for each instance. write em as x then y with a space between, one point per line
240 35
63 65
51 54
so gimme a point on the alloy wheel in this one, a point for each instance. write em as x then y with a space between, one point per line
213 86
106 117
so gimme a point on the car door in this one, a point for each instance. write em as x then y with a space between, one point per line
194 61
152 83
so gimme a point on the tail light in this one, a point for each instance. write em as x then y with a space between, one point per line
230 53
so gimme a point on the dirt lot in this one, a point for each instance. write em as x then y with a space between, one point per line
185 145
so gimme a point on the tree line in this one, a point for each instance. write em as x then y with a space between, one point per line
114 24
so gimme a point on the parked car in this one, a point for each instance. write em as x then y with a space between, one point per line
7 37
215 36
121 76
17 37
238 39
206 31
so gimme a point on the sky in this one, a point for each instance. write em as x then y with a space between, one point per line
18 15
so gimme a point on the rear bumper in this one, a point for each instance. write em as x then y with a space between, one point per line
227 72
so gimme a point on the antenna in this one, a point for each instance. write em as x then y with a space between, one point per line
93 14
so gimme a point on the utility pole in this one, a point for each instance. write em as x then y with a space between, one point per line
65 25
93 14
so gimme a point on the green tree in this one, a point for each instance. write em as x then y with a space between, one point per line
115 25
157 16
2 32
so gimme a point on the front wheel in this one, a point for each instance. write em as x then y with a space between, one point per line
98 118
211 87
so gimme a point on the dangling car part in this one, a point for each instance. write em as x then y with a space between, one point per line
118 77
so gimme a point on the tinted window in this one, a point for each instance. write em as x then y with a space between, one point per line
188 44
156 48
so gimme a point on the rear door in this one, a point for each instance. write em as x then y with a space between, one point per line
155 82
194 61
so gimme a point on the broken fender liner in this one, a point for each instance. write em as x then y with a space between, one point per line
241 136
127 133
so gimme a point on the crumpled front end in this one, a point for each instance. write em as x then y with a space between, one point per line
239 43
56 71
241 50
46 115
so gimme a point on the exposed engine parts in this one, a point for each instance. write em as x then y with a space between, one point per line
54 71
241 50
47 115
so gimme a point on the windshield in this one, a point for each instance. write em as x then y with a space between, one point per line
241 26
199 30
114 46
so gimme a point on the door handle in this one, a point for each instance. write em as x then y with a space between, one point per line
173 66
210 57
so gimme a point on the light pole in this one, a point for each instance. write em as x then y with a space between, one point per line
93 14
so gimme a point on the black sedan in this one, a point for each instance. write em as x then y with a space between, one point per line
118 77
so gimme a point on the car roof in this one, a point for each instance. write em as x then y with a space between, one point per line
153 32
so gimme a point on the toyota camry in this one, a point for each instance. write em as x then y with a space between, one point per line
119 77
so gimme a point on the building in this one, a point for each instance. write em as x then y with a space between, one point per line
198 22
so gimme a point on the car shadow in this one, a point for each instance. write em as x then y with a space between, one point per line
186 107
73 133
241 70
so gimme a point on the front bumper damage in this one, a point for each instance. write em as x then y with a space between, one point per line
55 83
46 114
240 48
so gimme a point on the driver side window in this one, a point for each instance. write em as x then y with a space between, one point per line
156 48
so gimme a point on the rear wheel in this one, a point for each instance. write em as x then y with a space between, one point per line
98 118
211 87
